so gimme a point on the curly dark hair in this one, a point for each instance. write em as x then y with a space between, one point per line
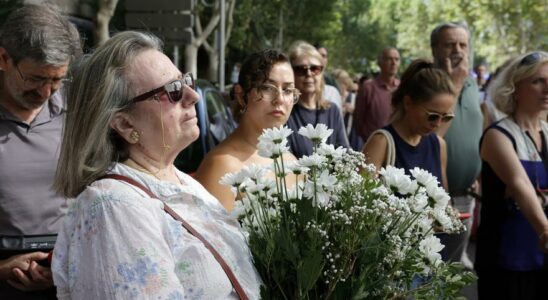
255 71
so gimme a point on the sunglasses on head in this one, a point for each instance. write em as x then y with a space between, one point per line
530 59
173 89
434 117
303 70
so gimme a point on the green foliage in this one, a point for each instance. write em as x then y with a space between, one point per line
356 30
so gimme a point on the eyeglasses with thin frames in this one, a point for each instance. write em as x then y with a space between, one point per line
270 93
303 70
434 116
33 82
174 89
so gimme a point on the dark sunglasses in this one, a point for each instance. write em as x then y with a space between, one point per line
303 70
434 117
530 59
174 89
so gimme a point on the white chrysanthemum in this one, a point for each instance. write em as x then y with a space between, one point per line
296 168
441 216
322 189
322 199
326 181
232 179
425 224
275 135
431 246
318 134
313 160
418 203
261 186
424 177
308 189
330 151
272 150
396 179
238 210
246 183
440 197
254 171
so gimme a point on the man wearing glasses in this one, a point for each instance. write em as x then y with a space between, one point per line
450 48
36 46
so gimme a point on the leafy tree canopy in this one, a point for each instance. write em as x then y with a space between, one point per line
356 30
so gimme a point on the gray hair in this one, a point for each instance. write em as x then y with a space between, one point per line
380 56
99 89
41 34
503 88
435 35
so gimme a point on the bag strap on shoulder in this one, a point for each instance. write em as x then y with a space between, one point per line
390 158
235 284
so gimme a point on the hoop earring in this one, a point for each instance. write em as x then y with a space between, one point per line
135 136
243 109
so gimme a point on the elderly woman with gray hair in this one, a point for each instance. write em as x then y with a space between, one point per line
512 237
140 229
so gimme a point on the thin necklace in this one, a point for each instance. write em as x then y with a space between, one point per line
139 167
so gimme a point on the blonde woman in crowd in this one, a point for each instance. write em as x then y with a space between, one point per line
312 108
512 239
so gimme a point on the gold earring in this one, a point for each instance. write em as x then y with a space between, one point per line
135 136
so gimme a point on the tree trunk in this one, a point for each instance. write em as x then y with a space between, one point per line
213 68
191 59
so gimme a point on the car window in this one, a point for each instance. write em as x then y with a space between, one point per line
215 104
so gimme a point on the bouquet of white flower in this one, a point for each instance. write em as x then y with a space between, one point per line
340 232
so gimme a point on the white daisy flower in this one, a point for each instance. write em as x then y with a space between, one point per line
254 171
431 246
232 179
318 134
418 203
330 151
275 135
440 197
396 179
272 150
424 178
313 160
441 216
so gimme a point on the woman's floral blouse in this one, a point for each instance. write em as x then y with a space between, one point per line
118 243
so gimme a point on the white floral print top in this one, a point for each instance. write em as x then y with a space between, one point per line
118 243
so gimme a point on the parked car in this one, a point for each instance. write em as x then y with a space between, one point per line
215 121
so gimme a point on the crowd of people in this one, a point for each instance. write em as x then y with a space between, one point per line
88 142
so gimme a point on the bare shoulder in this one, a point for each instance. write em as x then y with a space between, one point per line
376 142
495 137
288 156
217 163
